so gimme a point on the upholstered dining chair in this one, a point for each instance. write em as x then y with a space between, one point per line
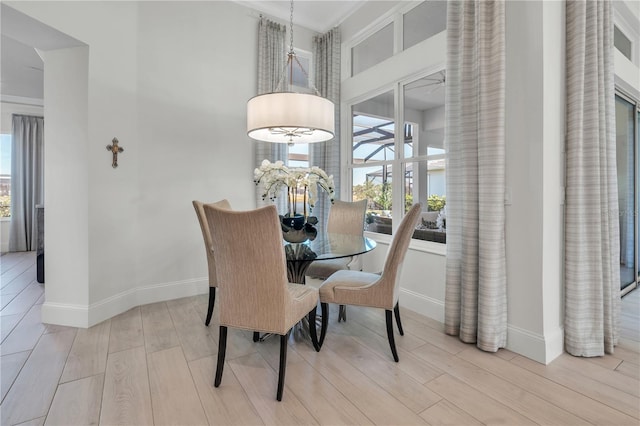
254 292
206 235
373 290
344 218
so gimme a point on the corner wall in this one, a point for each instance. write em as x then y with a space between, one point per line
166 81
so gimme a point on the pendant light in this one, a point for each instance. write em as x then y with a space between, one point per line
290 117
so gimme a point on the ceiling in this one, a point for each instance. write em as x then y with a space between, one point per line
21 68
317 15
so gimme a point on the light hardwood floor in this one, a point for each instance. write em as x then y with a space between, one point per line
155 364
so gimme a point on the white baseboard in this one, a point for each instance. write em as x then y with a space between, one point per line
422 304
65 314
86 316
537 347
543 349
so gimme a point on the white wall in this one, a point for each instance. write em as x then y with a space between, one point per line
170 80
535 141
66 175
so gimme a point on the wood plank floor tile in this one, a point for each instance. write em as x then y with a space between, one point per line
374 319
568 399
7 324
444 413
126 399
25 300
259 381
368 396
9 275
326 403
518 398
410 364
25 334
11 259
598 391
197 340
159 332
629 369
484 408
6 298
174 398
435 337
20 282
35 422
321 398
161 360
33 390
10 366
77 402
126 331
88 355
596 372
226 405
398 383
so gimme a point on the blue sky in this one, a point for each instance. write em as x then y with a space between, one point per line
5 154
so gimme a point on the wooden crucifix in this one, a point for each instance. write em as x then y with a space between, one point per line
115 150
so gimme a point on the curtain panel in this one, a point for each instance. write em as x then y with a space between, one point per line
27 180
326 155
271 67
476 288
592 240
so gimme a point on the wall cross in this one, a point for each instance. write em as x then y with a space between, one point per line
115 150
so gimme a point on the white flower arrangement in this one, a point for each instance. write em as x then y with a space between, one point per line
299 182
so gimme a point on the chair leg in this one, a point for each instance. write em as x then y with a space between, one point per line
325 322
396 311
392 342
312 329
284 343
212 301
342 313
256 336
222 349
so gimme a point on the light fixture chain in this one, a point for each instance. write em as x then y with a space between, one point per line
291 29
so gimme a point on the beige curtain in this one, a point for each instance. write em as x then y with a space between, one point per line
27 180
476 289
592 245
271 66
326 155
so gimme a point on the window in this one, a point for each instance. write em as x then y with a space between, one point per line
298 77
298 155
397 155
627 123
423 21
372 155
5 175
622 42
373 50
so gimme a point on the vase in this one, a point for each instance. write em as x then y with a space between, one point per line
298 229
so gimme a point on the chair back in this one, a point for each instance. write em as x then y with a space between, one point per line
206 234
251 267
347 217
399 247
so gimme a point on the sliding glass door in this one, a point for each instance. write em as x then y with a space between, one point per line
628 196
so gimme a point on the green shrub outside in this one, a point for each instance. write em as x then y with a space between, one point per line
436 202
5 206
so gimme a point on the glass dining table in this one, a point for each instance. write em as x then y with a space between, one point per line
325 246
